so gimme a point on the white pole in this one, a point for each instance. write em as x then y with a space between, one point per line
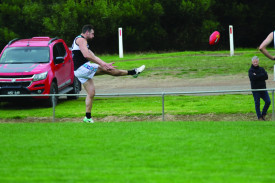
120 43
231 40
274 73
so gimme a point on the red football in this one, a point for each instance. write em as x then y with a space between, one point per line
214 38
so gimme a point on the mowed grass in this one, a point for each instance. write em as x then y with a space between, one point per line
197 152
137 106
192 64
186 65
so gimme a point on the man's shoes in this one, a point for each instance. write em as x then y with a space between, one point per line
264 116
88 120
139 70
261 119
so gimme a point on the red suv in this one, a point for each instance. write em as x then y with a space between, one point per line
40 65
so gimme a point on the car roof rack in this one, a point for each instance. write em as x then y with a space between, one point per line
53 39
12 41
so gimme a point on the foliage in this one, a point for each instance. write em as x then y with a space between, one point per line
158 25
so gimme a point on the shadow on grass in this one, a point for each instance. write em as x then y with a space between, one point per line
25 103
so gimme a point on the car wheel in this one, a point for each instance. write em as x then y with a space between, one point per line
53 100
76 89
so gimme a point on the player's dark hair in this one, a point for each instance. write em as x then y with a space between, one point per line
86 28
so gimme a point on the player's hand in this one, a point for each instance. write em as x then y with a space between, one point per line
108 66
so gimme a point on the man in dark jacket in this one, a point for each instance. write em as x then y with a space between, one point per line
257 76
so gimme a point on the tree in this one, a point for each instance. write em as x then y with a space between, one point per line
157 25
10 18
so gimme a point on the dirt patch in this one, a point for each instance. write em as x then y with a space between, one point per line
167 117
109 82
143 84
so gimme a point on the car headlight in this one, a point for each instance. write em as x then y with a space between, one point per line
38 77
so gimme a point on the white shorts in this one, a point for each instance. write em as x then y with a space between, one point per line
86 71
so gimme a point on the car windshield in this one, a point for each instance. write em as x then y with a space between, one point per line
17 55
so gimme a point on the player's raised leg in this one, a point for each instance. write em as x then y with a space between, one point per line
116 72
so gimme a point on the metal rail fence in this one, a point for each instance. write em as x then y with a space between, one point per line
162 94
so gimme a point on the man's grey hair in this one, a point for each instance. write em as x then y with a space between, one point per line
255 58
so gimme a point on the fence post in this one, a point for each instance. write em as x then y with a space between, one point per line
53 102
163 106
273 114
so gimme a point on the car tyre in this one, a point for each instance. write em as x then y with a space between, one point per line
76 89
53 90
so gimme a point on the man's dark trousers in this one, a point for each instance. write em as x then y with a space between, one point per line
265 96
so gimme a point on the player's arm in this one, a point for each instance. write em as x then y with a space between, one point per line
264 44
107 66
89 55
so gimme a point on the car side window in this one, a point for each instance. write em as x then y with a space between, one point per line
55 52
59 51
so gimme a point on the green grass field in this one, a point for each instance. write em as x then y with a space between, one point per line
186 65
191 64
202 151
198 152
141 106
